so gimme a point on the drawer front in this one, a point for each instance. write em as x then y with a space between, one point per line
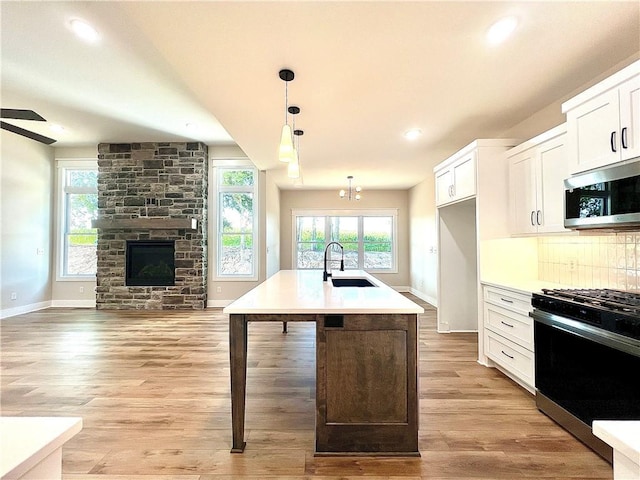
512 325
510 356
510 300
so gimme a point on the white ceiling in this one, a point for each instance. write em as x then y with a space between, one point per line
366 71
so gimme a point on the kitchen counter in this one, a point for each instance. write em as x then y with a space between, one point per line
303 291
366 359
526 287
624 438
31 447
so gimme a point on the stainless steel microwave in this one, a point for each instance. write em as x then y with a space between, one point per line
604 198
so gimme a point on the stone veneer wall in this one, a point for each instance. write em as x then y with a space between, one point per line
152 182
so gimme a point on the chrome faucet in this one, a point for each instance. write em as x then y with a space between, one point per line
325 274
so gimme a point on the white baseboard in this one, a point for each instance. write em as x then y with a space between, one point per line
73 304
218 303
402 289
32 307
423 296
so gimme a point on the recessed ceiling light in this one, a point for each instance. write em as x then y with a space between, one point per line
501 30
56 128
412 134
83 30
191 125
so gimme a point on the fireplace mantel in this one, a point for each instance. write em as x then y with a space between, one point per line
146 223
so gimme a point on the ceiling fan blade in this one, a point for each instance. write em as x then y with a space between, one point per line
27 133
17 114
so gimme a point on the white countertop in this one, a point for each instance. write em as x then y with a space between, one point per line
304 292
526 287
621 435
26 441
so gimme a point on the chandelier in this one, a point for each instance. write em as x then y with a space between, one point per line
352 193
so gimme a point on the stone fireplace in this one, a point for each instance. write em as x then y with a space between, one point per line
152 196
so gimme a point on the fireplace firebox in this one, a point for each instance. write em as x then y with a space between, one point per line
150 263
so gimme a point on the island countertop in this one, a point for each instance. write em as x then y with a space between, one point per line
304 292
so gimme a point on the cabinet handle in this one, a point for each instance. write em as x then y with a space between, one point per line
506 300
533 222
506 354
453 190
613 142
507 324
623 138
538 214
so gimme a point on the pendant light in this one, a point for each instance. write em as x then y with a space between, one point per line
293 169
351 193
285 150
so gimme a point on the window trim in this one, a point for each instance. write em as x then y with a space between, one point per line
360 214
62 166
217 167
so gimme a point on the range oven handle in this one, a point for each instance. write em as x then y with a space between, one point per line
588 332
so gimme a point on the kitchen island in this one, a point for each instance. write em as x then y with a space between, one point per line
366 359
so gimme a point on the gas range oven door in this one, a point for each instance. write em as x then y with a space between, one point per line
584 374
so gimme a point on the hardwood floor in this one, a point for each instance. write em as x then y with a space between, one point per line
153 391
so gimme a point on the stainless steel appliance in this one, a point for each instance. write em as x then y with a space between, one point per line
605 198
587 359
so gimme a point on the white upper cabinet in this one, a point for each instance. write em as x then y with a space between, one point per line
603 123
522 190
630 118
456 180
537 169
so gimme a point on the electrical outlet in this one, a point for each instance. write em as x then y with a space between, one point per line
572 264
218 289
14 296
81 289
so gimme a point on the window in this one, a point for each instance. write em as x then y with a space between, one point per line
237 216
78 206
368 239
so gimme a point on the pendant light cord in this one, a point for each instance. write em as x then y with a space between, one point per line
286 103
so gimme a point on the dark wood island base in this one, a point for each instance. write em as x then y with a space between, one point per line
366 375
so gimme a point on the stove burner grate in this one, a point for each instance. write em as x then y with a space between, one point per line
609 299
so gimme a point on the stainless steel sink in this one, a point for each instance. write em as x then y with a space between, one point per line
351 282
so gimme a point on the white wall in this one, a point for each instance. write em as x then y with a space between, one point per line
423 241
26 246
329 199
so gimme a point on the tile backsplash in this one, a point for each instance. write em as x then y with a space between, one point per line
591 261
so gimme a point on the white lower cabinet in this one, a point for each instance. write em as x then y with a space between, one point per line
508 334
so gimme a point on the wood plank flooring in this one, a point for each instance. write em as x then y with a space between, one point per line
153 390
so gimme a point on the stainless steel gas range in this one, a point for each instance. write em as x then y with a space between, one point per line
587 358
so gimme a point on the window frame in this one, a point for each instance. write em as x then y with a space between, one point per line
219 166
62 215
360 214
